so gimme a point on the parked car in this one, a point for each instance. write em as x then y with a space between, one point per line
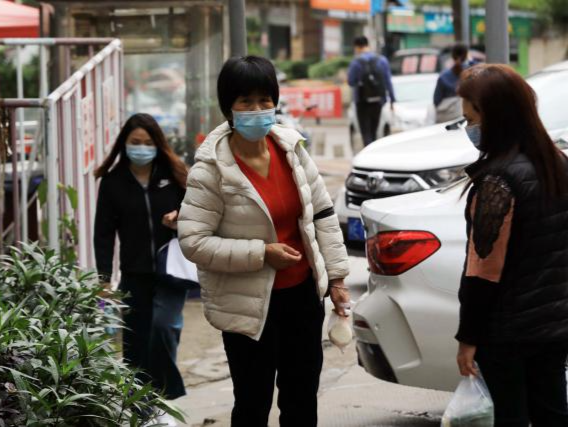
427 60
431 157
413 108
405 323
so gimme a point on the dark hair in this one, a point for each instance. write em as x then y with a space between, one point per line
459 51
165 156
510 123
243 76
361 41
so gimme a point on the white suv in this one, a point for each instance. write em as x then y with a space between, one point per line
431 157
408 162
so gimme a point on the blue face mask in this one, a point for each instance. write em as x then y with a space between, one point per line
254 125
141 154
474 135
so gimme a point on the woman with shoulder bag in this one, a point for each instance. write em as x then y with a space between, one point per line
259 223
139 199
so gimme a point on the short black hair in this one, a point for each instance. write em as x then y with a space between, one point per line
244 75
459 51
361 41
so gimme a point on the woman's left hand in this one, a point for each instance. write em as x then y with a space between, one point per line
465 358
170 220
339 294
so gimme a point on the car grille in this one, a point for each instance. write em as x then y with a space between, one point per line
365 184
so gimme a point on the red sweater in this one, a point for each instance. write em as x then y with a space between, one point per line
280 194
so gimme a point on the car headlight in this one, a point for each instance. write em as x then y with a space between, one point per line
441 177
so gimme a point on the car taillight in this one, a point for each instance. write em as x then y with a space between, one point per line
391 253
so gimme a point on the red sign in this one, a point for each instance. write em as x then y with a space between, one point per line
323 102
348 5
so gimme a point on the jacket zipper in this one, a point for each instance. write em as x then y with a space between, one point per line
151 225
149 211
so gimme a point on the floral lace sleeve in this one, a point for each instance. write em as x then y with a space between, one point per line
491 211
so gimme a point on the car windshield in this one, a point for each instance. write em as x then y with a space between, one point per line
552 93
414 90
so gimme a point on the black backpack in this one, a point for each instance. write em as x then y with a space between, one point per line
372 86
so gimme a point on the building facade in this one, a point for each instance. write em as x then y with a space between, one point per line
173 53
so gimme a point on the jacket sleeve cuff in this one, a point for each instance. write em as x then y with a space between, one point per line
257 255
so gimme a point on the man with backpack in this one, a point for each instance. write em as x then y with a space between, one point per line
370 77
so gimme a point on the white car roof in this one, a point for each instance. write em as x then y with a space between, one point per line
409 78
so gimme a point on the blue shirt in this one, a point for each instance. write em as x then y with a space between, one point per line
447 84
355 73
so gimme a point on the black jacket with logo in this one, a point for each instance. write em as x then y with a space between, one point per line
135 213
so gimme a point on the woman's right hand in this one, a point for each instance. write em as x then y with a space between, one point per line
280 256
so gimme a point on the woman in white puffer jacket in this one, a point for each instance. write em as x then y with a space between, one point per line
258 222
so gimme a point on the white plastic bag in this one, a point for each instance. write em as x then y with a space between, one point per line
339 330
471 405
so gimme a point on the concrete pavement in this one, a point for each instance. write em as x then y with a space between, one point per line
355 400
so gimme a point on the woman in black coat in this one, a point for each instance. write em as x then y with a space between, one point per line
139 199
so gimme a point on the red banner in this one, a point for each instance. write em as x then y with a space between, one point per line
348 5
323 102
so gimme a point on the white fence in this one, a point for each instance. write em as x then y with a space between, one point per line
78 124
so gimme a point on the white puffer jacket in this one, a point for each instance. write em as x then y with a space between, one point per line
224 224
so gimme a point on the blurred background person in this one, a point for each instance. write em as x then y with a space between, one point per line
448 104
369 75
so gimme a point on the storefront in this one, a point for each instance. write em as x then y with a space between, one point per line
342 20
434 27
173 53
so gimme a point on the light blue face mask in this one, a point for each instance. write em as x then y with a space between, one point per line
254 125
474 135
141 154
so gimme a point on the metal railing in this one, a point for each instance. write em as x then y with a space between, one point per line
77 125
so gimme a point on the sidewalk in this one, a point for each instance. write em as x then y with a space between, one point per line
355 400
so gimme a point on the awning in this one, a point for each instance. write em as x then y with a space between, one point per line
17 20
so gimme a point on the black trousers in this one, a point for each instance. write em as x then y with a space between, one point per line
527 383
153 321
368 116
289 350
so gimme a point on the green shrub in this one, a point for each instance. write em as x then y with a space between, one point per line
296 69
58 366
8 85
328 68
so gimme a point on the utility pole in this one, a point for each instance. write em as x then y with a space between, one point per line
237 27
497 31
461 20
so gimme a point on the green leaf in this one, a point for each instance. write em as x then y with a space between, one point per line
53 369
72 195
42 192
